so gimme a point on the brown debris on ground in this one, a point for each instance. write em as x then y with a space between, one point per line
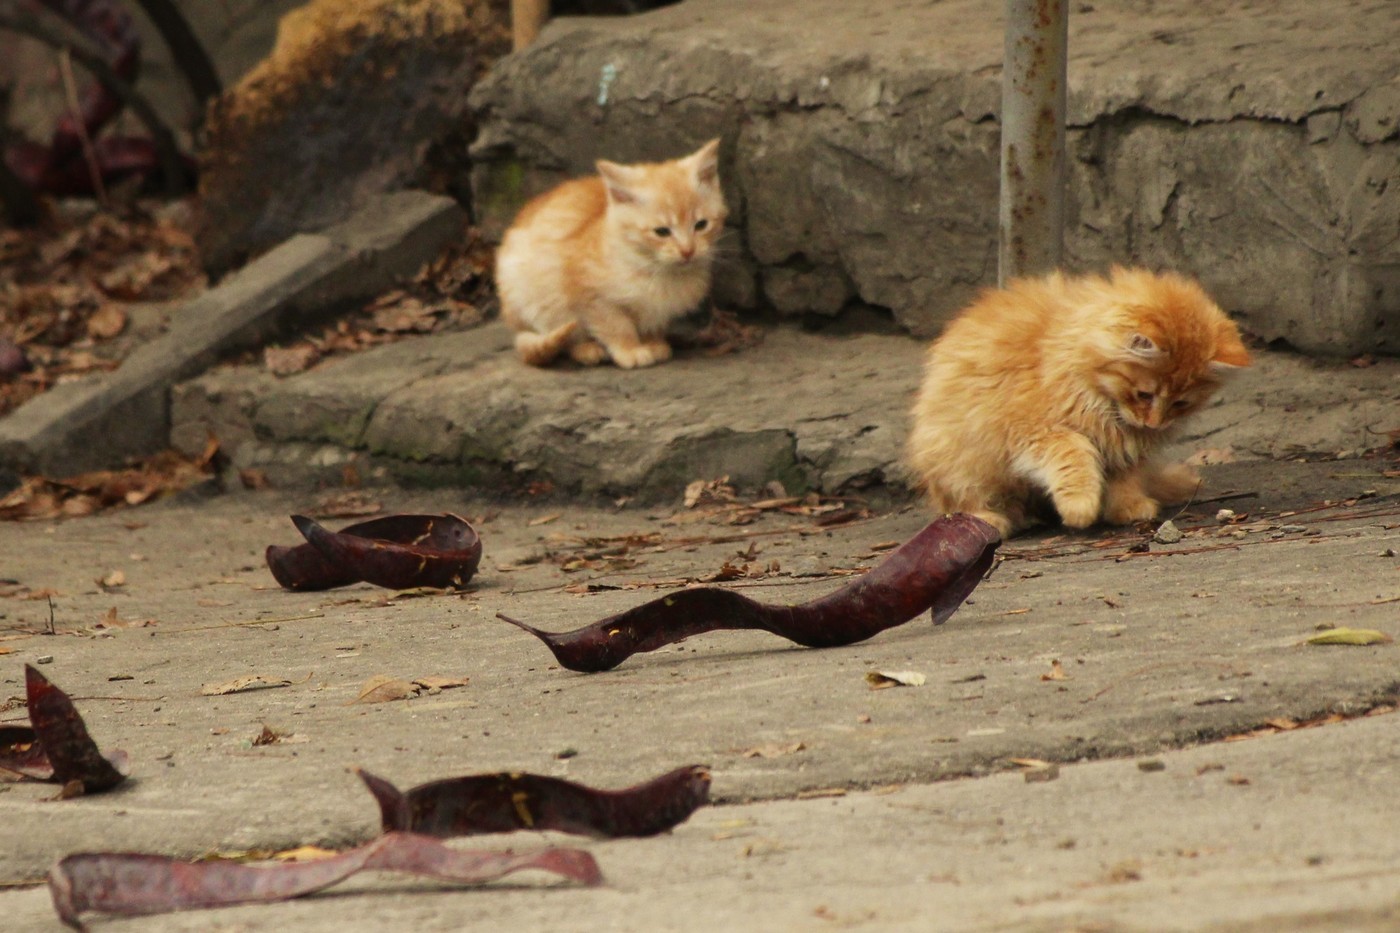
39 497
64 286
452 292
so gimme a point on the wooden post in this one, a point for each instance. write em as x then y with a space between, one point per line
527 18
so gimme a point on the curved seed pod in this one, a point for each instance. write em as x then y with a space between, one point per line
395 551
503 803
63 736
127 884
935 570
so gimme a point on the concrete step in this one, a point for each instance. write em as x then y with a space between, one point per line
1255 146
812 411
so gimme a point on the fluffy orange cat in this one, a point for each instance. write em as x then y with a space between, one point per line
1062 388
599 266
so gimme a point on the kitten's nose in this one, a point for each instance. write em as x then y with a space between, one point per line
687 250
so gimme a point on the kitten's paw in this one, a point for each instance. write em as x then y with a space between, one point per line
1078 511
1175 482
634 357
588 352
1002 523
1126 509
660 349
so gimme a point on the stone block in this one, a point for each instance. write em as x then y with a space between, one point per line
1257 149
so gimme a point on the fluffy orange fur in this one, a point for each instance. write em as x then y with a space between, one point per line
598 267
1062 388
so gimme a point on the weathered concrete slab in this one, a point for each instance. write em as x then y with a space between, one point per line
101 420
810 411
1166 648
1257 148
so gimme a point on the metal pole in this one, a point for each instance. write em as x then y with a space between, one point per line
1032 217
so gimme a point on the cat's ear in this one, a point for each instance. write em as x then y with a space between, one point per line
705 162
1143 347
619 181
1230 352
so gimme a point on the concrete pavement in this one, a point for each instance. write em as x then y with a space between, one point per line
916 822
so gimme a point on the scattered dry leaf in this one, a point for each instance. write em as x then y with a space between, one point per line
253 478
288 361
441 683
304 854
243 685
382 688
1056 672
106 322
349 504
1350 636
773 750
881 680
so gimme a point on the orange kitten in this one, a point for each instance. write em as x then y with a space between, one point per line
598 267
1062 388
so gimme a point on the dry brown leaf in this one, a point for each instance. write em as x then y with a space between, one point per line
304 854
881 680
382 688
1056 672
773 750
351 504
253 478
106 322
244 684
288 361
544 519
1350 636
441 683
1030 762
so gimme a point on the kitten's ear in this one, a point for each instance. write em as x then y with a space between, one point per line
705 161
1230 352
618 180
1143 347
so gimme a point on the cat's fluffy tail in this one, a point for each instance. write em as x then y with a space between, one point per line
543 349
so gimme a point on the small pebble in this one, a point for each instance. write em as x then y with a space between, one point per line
1224 516
1388 552
44 659
1167 533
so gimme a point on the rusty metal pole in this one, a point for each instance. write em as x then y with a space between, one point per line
1032 217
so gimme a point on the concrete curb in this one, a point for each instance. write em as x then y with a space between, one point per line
813 412
98 422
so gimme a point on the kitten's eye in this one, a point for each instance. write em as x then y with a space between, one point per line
662 231
701 224
1144 396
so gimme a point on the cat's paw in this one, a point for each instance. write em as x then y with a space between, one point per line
634 357
588 352
1128 508
660 349
1077 511
1175 482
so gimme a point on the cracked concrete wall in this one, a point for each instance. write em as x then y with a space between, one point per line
1255 146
